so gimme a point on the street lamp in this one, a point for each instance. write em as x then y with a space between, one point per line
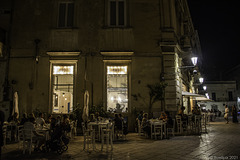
204 88
194 62
201 80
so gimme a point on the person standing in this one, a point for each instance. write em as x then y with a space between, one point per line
226 114
234 114
1 131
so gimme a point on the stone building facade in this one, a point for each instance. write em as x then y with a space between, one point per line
111 48
221 93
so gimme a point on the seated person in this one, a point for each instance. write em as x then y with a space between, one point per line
24 119
48 120
169 120
31 117
36 136
92 118
184 117
39 120
163 116
146 125
196 111
66 124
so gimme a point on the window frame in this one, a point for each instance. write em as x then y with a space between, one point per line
117 63
117 13
62 63
66 14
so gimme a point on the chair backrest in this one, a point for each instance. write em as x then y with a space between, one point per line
178 119
83 127
4 130
27 134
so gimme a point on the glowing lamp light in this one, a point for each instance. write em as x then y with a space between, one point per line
194 60
201 80
206 94
204 88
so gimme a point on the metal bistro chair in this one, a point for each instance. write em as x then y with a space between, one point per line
140 130
197 124
28 142
158 129
179 124
171 130
204 123
107 133
89 137
4 135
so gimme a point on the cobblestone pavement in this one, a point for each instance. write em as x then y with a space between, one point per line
220 142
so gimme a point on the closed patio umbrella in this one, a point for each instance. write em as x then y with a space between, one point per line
15 104
86 107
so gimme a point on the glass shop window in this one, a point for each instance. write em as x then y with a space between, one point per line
62 86
117 88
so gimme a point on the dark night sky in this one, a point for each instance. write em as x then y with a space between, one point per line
217 22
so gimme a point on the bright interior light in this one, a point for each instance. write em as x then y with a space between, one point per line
201 80
116 69
204 88
194 60
62 70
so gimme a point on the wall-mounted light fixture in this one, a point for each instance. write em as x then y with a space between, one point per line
204 88
201 80
194 62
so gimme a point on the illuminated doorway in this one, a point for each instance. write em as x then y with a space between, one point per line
117 88
62 85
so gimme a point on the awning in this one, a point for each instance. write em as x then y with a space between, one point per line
202 99
188 94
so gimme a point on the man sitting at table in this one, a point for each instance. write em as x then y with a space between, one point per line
39 138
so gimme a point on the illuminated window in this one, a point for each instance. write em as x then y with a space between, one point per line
62 85
117 88
65 15
117 12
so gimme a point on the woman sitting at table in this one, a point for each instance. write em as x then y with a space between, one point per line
163 116
40 138
39 120
146 125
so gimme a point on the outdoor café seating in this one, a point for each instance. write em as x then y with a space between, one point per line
88 137
107 133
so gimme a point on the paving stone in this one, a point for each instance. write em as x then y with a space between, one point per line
220 141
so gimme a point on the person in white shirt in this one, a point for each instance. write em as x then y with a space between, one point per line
39 120
226 114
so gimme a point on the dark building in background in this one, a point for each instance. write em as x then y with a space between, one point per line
112 48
